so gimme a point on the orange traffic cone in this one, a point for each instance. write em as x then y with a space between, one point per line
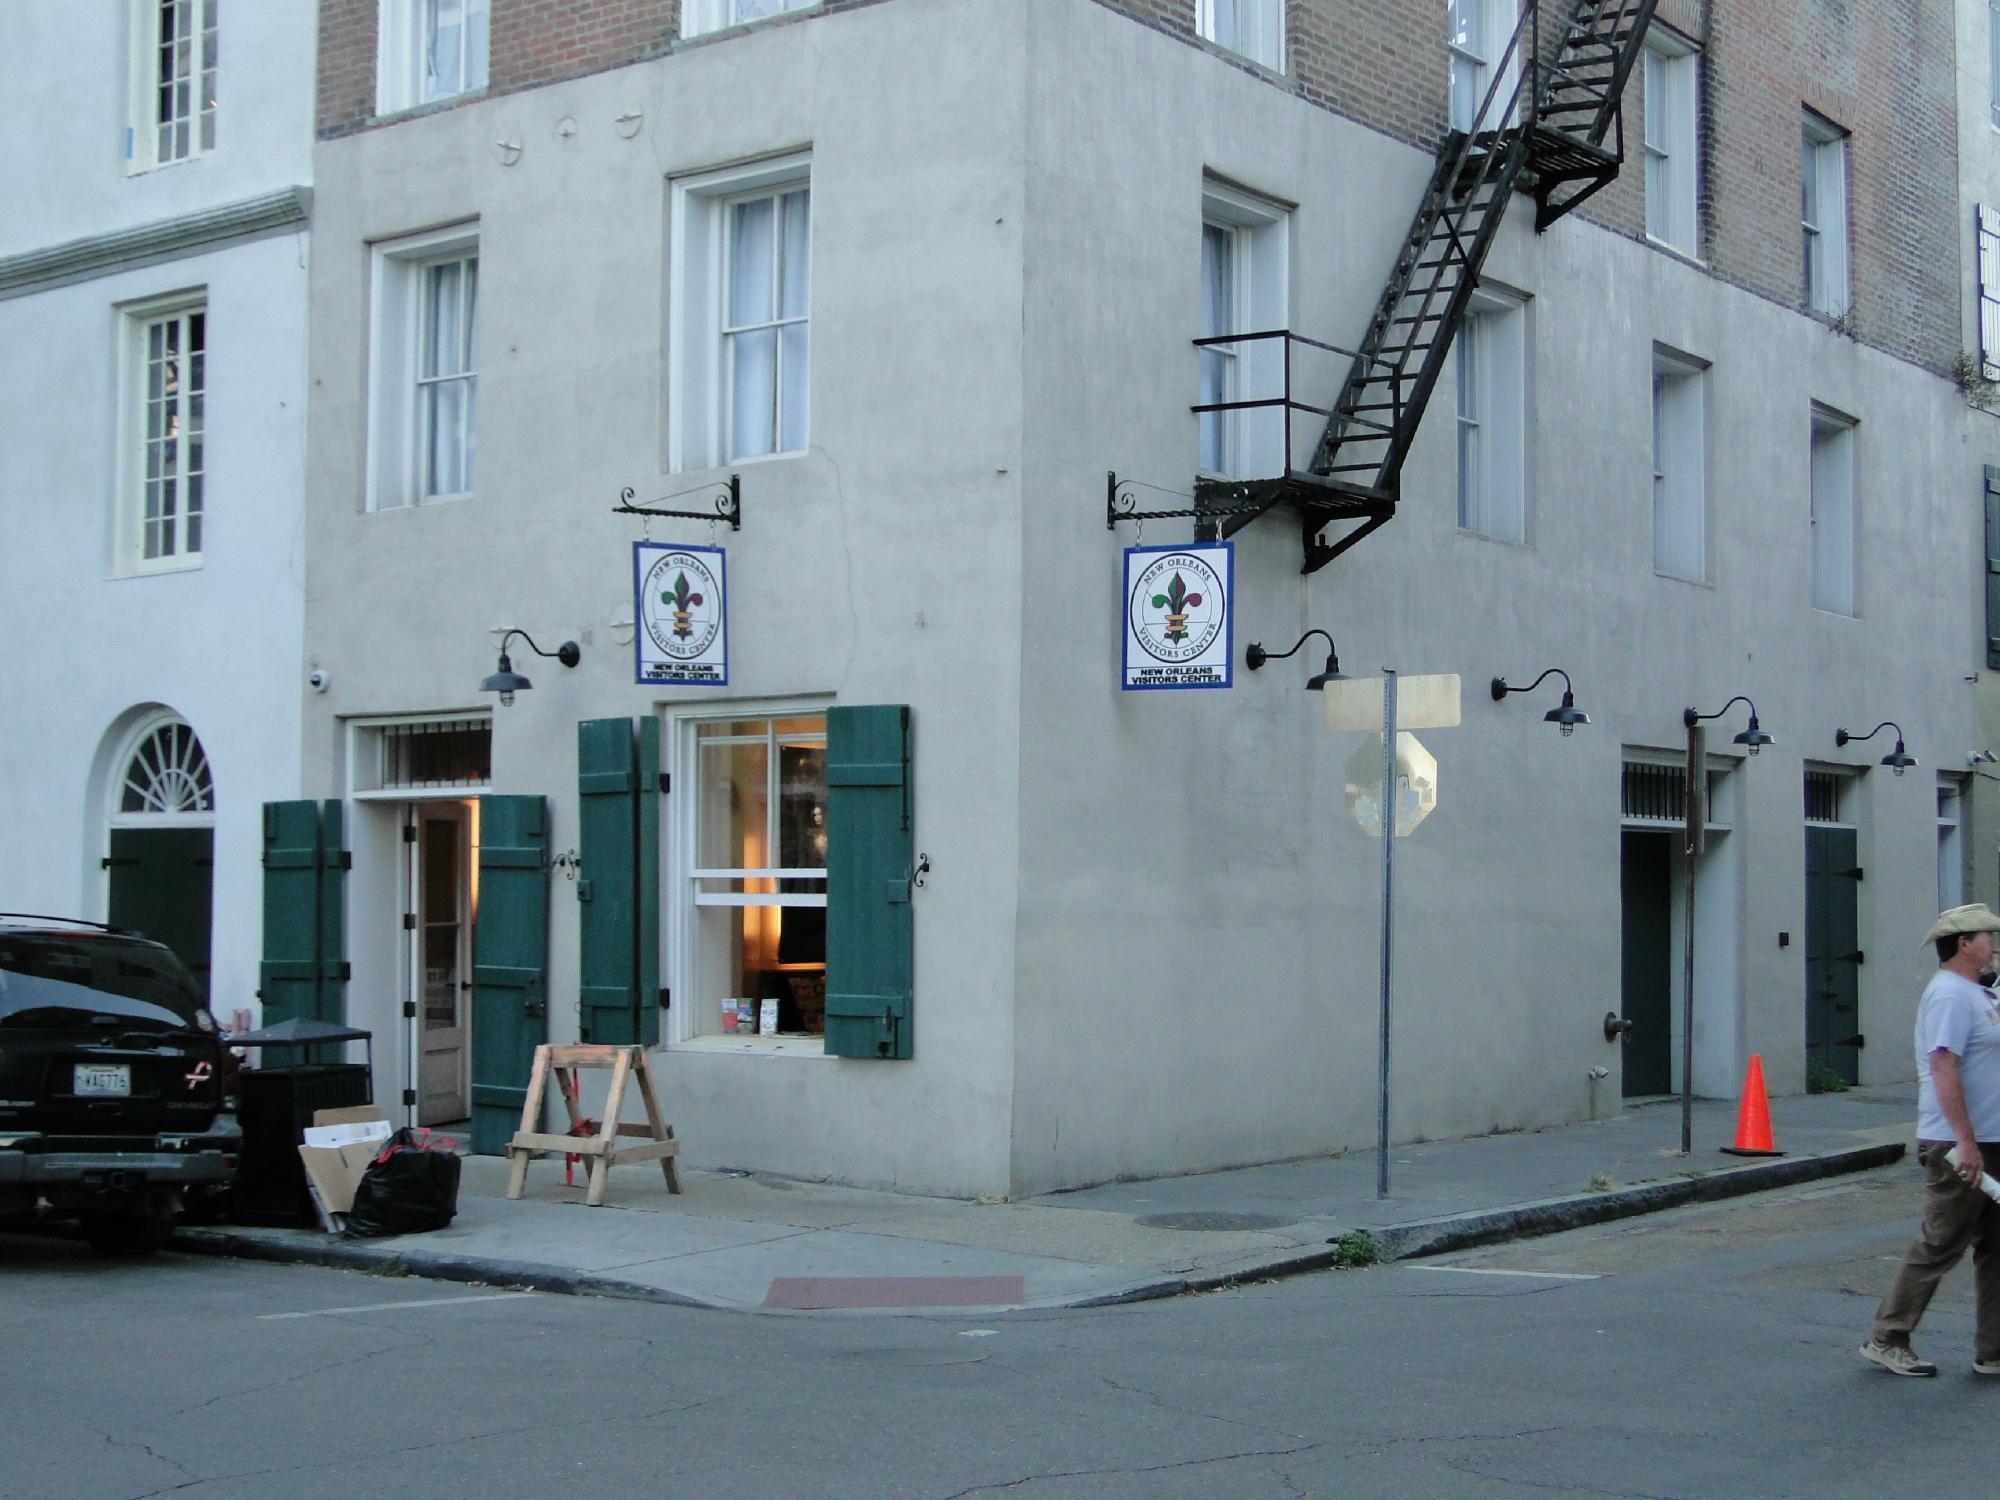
1753 1116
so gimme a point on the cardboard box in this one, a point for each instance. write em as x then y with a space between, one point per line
334 1171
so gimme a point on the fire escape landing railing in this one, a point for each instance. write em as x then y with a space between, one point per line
1564 142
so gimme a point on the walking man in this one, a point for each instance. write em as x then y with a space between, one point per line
1958 1104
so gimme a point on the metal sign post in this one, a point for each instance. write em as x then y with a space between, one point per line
1388 925
1696 813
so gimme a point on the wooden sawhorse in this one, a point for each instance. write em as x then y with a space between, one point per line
602 1149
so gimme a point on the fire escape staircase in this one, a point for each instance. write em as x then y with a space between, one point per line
1565 142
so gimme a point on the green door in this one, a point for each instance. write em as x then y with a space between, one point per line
618 774
162 885
870 932
510 952
1833 955
1646 969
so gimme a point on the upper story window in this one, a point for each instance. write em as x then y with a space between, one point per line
1492 419
429 50
698 16
1673 90
1478 34
1255 28
173 115
423 370
1823 182
1834 513
1680 465
1244 289
740 314
1993 59
163 448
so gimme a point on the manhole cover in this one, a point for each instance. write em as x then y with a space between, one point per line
1213 1221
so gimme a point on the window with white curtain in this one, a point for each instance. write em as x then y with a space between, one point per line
1823 191
1834 513
698 16
1244 289
740 314
1673 87
1255 28
1680 489
175 63
1477 36
1491 351
423 370
164 472
429 50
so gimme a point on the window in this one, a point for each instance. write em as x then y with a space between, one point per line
1243 290
1672 113
165 458
1950 847
1833 513
740 326
698 16
1680 463
1255 28
1824 191
754 890
1479 34
1492 370
429 50
423 407
1986 232
166 776
1993 59
174 72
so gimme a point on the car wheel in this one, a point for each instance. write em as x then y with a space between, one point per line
128 1234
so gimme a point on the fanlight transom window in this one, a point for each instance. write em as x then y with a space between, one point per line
167 774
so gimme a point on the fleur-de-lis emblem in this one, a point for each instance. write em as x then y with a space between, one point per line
681 599
1177 601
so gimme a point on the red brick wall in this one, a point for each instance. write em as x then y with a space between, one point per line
537 41
346 93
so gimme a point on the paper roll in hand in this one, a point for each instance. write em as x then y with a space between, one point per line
1986 1183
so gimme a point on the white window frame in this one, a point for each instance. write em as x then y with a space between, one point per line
1823 216
1950 841
397 436
698 388
1986 259
1673 142
194 104
136 322
1835 514
1477 33
699 16
182 768
1993 61
404 78
1250 28
1250 444
1680 466
1491 378
688 1024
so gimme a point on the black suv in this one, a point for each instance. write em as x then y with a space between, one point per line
110 1083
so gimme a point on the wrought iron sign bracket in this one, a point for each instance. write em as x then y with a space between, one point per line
1121 504
727 502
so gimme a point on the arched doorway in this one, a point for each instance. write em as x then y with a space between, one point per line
160 865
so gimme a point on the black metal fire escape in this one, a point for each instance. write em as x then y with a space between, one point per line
1564 141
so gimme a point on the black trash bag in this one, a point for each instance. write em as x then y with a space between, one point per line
411 1186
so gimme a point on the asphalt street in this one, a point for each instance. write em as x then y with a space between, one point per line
1703 1353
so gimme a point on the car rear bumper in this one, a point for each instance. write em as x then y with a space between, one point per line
46 1165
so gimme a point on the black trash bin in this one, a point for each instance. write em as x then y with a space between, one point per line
274 1107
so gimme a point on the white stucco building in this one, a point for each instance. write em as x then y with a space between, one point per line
153 277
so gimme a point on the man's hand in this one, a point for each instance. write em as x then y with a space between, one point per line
1969 1165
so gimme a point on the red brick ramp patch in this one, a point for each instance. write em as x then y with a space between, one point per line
817 1292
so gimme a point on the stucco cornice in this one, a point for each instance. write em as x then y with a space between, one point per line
149 244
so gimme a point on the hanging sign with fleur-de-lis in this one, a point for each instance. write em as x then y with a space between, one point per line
683 634
1177 616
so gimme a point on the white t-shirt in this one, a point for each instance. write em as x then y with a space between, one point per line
1964 1019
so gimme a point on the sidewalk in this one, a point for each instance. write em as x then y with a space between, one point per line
761 1244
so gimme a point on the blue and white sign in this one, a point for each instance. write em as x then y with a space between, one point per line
679 605
1177 616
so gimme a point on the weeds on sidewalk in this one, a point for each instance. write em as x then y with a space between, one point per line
1355 1249
1599 1183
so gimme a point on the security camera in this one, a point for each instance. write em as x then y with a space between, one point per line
1980 758
318 678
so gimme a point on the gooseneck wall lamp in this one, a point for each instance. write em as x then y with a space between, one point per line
507 682
1254 656
1897 760
1565 718
1752 739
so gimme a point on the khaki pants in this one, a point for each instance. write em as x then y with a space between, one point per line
1955 1217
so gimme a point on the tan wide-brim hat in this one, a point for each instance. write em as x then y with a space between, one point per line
1976 917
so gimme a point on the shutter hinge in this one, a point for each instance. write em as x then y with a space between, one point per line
1856 957
1857 1041
1852 873
343 971
666 998
409 833
666 782
409 1097
584 890
112 859
409 921
409 1010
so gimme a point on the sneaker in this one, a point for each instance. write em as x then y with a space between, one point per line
1901 1359
1986 1367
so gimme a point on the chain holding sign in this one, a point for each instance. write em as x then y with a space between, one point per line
680 604
1177 616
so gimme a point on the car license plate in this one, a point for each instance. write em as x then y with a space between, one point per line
102 1079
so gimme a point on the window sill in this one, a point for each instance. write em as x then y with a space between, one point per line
1275 71
743 28
396 113
1698 583
157 569
1675 252
412 507
786 1045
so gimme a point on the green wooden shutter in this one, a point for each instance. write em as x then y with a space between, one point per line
608 796
304 970
1992 566
648 882
869 931
162 884
510 948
